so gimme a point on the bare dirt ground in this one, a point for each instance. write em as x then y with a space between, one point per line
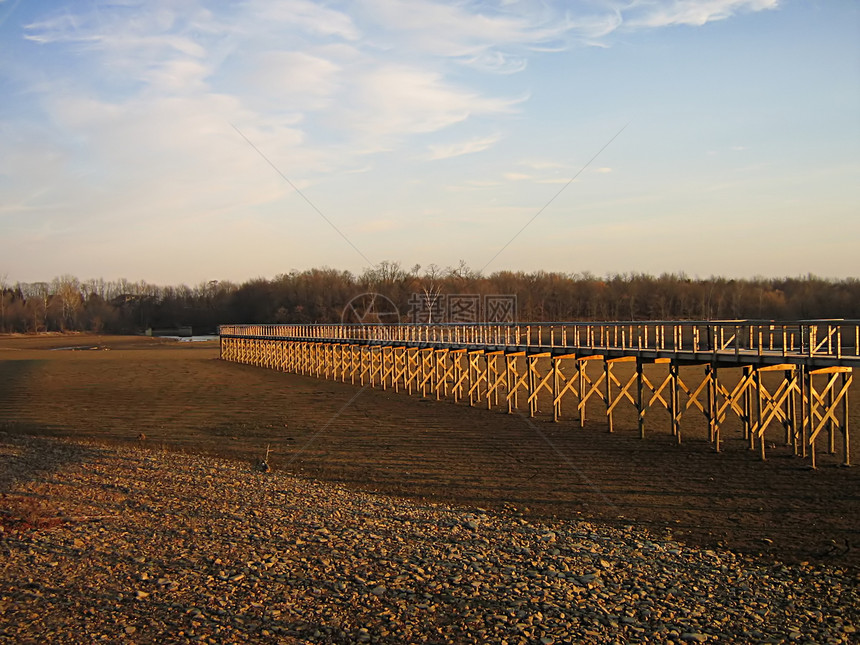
181 397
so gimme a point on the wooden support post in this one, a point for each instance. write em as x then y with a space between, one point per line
831 430
790 409
489 368
441 382
587 386
716 416
459 374
747 376
640 407
530 367
712 403
477 376
777 405
516 380
673 405
561 383
493 378
537 382
800 415
581 377
607 367
623 393
427 371
405 382
413 365
812 410
846 447
759 426
806 411
472 378
823 407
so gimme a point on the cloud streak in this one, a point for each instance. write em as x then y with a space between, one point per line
446 151
690 12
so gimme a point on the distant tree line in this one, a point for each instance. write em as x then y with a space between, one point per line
320 296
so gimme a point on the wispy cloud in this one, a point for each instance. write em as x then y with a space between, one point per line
544 164
445 151
305 15
473 185
393 100
498 62
690 12
473 31
553 180
517 176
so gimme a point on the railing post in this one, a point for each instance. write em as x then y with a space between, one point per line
737 340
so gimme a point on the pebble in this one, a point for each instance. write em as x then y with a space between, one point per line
230 555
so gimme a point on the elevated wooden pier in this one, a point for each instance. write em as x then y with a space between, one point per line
808 366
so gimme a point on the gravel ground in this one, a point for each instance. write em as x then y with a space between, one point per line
131 545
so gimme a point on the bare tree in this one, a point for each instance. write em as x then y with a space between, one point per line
384 273
463 272
40 295
69 291
3 285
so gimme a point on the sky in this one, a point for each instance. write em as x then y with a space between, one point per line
184 141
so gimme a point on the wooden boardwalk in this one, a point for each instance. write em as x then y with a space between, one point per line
513 365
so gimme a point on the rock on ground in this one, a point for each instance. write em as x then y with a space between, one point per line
139 546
